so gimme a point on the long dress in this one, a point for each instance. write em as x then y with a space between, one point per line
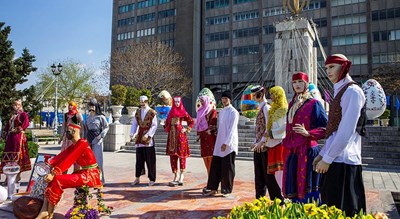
207 141
16 148
89 173
177 141
300 182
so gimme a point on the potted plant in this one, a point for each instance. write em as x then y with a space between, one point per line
385 118
118 97
132 102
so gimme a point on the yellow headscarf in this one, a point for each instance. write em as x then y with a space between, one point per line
279 106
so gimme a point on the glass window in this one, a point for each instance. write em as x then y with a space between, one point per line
375 36
375 15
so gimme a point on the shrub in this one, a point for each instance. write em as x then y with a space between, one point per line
385 115
134 94
118 94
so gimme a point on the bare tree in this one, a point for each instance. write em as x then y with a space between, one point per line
389 77
153 66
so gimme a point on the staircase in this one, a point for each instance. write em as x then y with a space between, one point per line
246 138
381 148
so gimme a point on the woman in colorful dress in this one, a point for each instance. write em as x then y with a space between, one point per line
306 122
177 145
276 126
206 127
16 148
72 112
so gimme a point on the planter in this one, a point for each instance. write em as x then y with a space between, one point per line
116 113
131 112
385 122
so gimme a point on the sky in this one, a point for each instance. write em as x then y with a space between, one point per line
56 30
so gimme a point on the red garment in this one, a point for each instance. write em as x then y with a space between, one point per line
89 175
207 141
144 125
177 141
16 149
176 111
275 159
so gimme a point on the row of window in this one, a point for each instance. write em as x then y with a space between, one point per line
217 36
167 13
345 2
246 50
349 19
386 35
146 32
385 14
358 59
248 32
164 1
244 68
217 70
217 20
125 36
146 3
146 17
243 1
126 8
349 39
126 21
166 28
247 15
216 4
386 58
217 53
169 42
280 10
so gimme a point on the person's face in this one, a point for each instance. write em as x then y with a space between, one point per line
333 71
202 101
272 97
299 86
225 101
143 104
15 106
258 96
70 107
177 102
92 108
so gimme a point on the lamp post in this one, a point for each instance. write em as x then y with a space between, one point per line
56 72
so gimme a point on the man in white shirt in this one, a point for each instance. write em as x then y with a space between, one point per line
226 147
340 158
146 120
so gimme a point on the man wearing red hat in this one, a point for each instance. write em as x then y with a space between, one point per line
340 158
305 124
88 174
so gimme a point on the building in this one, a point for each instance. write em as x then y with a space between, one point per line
236 37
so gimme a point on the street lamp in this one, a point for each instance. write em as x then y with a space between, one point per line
56 72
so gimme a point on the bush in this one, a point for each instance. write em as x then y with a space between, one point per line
134 94
265 208
385 115
118 94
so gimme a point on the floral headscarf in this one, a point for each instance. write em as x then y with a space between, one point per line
202 112
279 106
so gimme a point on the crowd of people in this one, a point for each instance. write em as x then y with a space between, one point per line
288 162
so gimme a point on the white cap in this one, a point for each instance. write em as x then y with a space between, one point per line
143 98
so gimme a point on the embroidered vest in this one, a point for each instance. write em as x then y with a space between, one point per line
260 124
144 125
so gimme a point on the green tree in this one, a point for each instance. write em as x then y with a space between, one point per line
14 71
388 76
74 83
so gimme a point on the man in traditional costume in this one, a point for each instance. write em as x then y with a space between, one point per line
89 173
206 127
177 145
340 158
72 112
146 120
262 179
16 148
306 122
96 129
225 150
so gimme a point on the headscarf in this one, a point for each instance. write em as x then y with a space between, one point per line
341 60
74 109
202 112
97 108
279 106
176 111
299 98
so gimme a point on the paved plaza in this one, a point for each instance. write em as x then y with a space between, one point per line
187 201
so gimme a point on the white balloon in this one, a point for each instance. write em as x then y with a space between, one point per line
375 98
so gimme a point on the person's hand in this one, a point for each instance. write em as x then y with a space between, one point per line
223 147
145 137
300 129
315 162
49 177
59 141
322 167
259 147
198 138
209 132
183 130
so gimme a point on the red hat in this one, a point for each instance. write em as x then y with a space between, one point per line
341 61
300 76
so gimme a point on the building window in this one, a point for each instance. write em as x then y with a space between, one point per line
164 1
145 32
247 15
217 70
243 1
146 17
345 2
167 13
217 36
269 29
322 22
125 36
269 47
166 28
349 39
384 14
126 22
169 42
387 35
217 20
386 58
349 19
246 50
244 68
249 32
146 4
217 53
126 8
216 4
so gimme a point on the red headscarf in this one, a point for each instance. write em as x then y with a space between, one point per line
341 61
176 111
301 76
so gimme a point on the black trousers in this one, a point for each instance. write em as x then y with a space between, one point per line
264 181
146 155
222 171
343 187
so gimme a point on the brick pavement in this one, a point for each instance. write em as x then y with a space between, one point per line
162 201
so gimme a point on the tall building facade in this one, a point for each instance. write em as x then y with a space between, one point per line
232 42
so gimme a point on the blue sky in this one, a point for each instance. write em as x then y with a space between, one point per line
55 30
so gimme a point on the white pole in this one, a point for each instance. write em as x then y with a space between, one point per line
56 109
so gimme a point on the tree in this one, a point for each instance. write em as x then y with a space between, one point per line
388 76
152 66
74 82
14 71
